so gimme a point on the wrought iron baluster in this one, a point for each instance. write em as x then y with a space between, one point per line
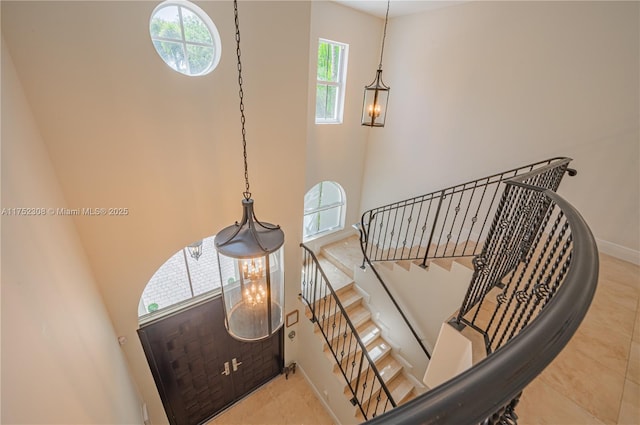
526 268
464 219
415 230
314 308
498 188
335 327
394 231
448 197
433 228
525 320
406 225
481 283
386 232
453 221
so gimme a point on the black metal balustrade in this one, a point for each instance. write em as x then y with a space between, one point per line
541 303
366 386
446 223
534 279
524 250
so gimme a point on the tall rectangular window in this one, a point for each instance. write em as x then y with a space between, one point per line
332 73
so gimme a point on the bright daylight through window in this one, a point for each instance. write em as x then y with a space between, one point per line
331 75
188 276
324 208
185 37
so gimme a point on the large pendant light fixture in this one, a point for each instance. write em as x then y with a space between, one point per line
376 94
250 258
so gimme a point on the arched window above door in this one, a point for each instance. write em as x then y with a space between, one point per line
185 278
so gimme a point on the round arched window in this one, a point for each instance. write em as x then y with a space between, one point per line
324 209
185 37
190 275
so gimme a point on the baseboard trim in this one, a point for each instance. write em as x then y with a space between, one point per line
318 395
619 251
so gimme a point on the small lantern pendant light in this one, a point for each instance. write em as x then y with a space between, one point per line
250 259
376 94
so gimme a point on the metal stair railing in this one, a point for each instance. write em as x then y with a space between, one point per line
397 218
393 300
443 224
526 254
367 387
542 301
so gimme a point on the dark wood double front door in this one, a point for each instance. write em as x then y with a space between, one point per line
199 369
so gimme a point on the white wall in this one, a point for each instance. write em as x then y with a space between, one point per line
451 356
486 86
61 362
318 368
124 130
337 152
428 297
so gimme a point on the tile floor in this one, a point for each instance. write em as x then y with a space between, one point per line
280 402
594 380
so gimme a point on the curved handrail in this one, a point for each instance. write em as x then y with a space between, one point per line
468 398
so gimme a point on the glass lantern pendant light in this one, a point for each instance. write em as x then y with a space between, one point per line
250 259
195 250
376 94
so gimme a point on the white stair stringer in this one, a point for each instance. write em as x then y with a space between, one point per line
428 297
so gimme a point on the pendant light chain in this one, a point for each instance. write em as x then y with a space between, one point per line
246 193
384 33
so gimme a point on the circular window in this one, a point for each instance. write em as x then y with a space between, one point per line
185 37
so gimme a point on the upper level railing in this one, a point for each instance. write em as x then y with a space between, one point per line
524 250
448 222
368 390
541 259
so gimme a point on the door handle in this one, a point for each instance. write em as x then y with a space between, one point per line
235 364
226 369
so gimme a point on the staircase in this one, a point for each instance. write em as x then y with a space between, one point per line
536 247
418 245
338 261
444 279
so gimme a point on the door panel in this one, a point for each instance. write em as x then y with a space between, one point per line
260 360
186 353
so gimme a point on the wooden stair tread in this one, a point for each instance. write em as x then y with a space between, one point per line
350 297
466 261
335 275
449 250
350 355
345 254
400 389
338 261
378 349
388 368
405 264
445 263
358 315
368 332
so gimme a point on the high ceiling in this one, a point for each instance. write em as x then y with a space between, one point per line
397 7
